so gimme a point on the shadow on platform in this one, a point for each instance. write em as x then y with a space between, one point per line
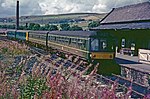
124 61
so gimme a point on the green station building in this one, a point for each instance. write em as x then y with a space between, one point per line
129 25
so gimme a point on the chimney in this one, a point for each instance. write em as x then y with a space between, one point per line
17 15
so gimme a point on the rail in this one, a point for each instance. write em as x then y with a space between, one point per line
38 51
99 78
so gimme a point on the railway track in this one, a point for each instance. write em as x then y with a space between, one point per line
2 38
137 90
38 51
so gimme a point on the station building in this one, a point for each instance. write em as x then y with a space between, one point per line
129 25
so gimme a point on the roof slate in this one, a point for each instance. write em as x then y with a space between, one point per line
134 12
67 33
139 25
74 33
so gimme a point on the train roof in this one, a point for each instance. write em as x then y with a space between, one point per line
11 30
63 33
43 32
74 33
134 25
22 30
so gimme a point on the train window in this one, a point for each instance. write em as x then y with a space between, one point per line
62 40
59 39
56 39
94 45
66 41
24 34
52 38
30 35
85 44
37 36
33 35
80 41
42 37
103 44
82 44
69 41
73 42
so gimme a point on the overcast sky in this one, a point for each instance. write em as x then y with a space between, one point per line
38 7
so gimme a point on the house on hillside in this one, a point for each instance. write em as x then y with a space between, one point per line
130 25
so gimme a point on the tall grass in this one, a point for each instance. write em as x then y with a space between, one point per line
44 83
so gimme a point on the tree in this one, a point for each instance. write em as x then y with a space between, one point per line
93 24
65 27
7 26
76 28
31 25
4 26
22 27
36 27
53 28
11 26
47 26
42 28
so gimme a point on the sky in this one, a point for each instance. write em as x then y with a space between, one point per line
44 7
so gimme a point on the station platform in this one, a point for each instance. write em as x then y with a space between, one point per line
132 62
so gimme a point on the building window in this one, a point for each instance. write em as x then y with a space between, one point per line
123 43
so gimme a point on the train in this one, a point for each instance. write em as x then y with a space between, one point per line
2 32
87 44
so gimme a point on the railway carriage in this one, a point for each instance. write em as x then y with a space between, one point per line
11 34
3 32
18 34
38 37
86 44
75 42
22 35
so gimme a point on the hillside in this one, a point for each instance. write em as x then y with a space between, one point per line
81 19
61 18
